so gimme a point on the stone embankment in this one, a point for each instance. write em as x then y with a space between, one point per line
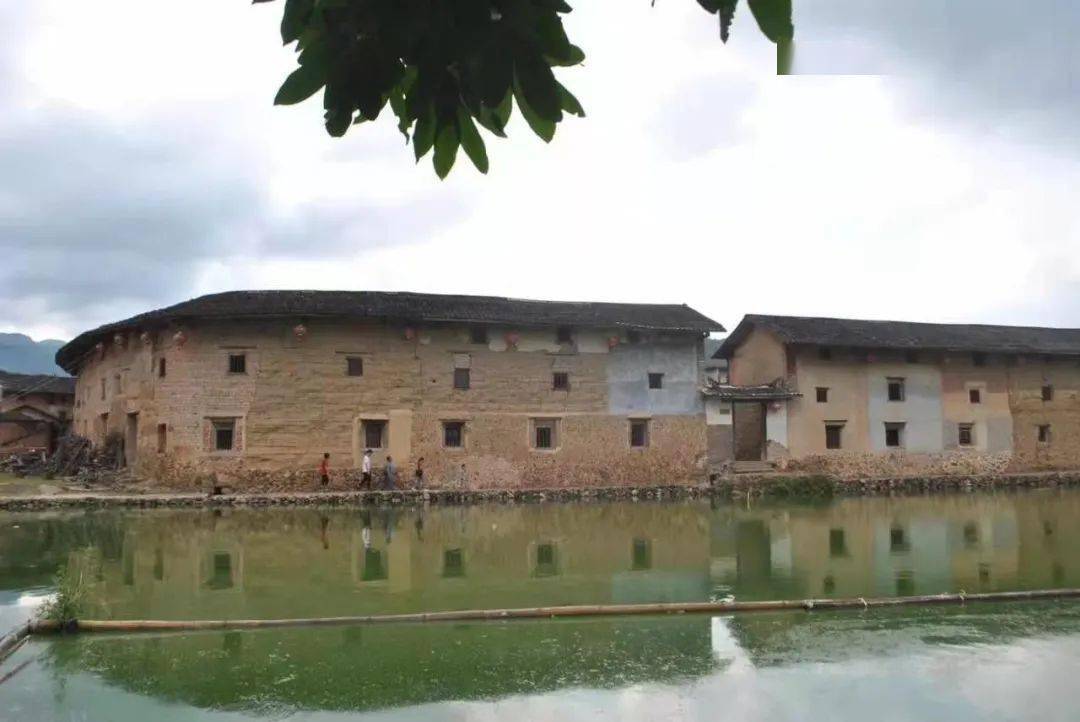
736 487
819 485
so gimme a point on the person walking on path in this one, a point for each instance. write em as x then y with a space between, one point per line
391 473
324 469
418 475
365 471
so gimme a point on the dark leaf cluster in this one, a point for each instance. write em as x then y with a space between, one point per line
444 67
449 68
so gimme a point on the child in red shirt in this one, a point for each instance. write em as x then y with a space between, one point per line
324 468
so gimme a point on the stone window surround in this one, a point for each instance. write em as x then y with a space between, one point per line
839 424
642 418
209 439
556 423
464 434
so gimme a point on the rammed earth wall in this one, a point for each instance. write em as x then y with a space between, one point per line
295 401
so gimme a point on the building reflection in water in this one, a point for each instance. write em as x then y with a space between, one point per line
279 563
274 563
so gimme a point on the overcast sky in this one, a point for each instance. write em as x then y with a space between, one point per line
925 168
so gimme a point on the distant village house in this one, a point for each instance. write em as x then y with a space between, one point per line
35 410
888 394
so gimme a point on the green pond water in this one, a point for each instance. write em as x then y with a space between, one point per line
979 662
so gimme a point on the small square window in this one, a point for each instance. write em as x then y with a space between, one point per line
905 583
461 379
971 534
560 381
453 563
837 543
911 357
373 565
545 433
633 337
966 435
453 434
1047 392
825 353
975 396
1044 433
478 334
354 366
896 389
639 433
894 435
547 562
640 555
224 434
374 431
656 381
563 334
161 367
898 540
220 571
833 433
237 363
822 394
978 359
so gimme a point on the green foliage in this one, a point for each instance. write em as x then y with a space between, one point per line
446 66
443 66
803 487
64 606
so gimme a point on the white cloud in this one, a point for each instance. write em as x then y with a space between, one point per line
697 177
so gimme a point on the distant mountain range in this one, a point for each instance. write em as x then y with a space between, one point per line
22 354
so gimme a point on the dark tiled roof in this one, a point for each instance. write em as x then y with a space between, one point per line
905 335
415 307
36 383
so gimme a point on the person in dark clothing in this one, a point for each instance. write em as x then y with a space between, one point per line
418 475
391 473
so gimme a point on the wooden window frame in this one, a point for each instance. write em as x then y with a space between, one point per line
897 427
367 425
354 366
839 430
554 435
237 364
446 427
220 426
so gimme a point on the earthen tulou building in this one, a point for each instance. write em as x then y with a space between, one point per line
246 386
872 398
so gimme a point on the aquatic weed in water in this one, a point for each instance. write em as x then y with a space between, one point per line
63 607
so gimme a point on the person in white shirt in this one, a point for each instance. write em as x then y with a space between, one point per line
365 471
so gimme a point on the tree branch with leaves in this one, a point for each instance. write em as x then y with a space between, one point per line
447 68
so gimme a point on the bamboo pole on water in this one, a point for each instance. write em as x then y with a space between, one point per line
591 610
12 641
